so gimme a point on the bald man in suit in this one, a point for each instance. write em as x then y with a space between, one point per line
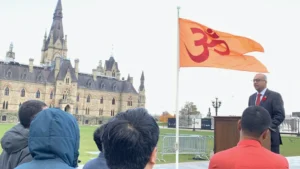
273 103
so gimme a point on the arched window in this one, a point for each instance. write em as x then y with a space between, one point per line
112 113
129 102
51 95
6 92
101 100
77 98
23 93
113 102
38 94
88 99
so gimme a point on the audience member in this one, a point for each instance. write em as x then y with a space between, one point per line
249 153
130 140
53 141
99 162
15 141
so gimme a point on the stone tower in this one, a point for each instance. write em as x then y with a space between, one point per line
10 55
55 45
142 95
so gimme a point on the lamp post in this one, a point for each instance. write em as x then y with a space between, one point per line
194 129
216 104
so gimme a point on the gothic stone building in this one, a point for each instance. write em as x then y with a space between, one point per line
92 98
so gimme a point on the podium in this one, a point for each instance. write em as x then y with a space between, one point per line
227 135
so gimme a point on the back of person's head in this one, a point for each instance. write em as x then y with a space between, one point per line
98 136
130 140
28 110
255 122
54 134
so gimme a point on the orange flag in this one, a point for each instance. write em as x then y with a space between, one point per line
201 46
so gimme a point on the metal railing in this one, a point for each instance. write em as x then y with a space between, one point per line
290 126
199 146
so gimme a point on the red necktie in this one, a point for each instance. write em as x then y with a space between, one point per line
258 99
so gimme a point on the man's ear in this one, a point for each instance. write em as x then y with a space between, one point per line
153 157
239 126
265 134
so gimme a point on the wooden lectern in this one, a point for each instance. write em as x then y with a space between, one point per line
227 135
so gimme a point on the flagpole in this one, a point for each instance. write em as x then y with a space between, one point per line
177 91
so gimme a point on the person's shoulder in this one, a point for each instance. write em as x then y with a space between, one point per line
274 92
280 158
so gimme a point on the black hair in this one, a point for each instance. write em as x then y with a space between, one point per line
129 139
255 120
98 136
28 110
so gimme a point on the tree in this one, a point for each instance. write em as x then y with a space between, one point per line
187 114
165 116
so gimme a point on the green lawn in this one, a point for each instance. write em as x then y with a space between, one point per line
289 148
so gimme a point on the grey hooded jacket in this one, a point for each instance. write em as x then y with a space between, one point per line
15 147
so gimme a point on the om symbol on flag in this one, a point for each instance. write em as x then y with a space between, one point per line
203 42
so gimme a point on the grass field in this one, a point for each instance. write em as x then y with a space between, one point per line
290 145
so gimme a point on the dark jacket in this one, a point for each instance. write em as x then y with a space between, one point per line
53 141
272 101
15 147
97 163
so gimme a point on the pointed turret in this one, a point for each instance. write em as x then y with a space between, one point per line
142 85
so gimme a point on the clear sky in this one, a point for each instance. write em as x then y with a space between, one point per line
144 34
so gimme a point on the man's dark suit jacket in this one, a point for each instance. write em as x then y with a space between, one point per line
274 104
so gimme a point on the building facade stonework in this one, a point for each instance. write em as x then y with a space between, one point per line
91 98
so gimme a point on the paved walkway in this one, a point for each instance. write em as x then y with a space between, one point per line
293 161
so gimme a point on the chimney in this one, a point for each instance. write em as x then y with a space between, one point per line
95 74
31 65
76 67
57 65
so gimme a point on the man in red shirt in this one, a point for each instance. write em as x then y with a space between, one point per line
249 153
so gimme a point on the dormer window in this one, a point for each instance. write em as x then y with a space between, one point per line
114 87
23 76
67 80
39 78
102 85
89 83
8 74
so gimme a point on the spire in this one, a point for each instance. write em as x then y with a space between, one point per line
56 30
142 85
112 50
58 11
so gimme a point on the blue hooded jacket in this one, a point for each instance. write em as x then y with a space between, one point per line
53 141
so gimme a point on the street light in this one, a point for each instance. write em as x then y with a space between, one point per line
194 129
216 104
